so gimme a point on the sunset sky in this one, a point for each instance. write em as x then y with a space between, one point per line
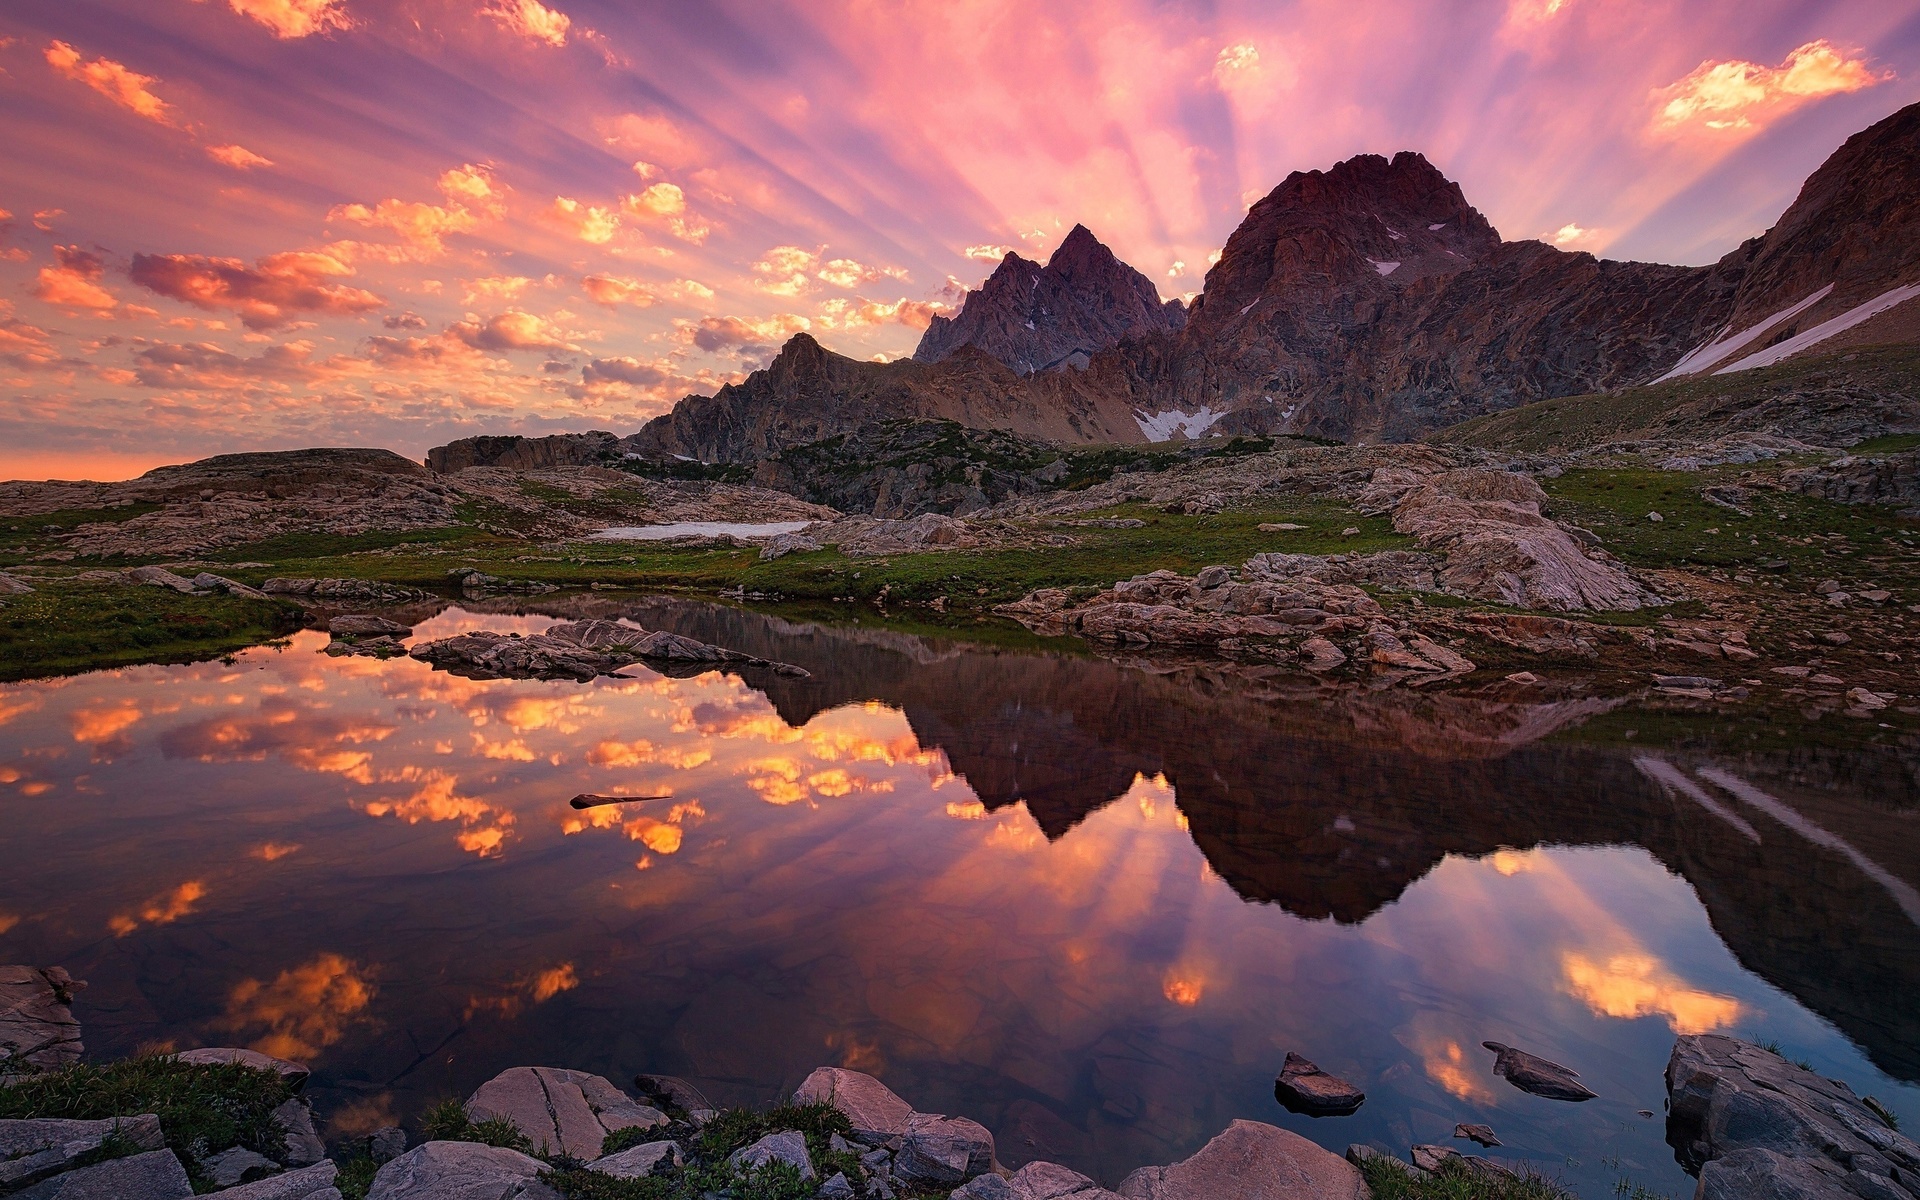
263 224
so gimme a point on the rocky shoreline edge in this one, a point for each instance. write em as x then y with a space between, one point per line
1743 1119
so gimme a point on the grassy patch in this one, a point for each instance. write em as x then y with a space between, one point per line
202 1107
448 1121
24 538
332 545
1892 443
1454 1182
355 1177
63 628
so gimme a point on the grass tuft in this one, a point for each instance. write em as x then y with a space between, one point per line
1454 1182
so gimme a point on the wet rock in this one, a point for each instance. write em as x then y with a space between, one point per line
1447 659
344 591
366 625
582 650
671 1089
637 1162
1750 1121
37 1027
294 1073
308 1183
229 1167
1319 654
1388 651
153 1175
1305 1088
1251 1161
460 1171
38 1148
1536 1075
1482 1134
943 1151
564 1112
870 1105
788 1146
1535 634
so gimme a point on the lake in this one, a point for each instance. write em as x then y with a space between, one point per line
1090 904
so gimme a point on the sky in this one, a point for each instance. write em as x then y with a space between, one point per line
264 224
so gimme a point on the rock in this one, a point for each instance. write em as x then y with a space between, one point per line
1862 698
366 625
1360 1156
870 1105
870 537
788 1146
1048 1181
987 1187
837 1188
154 1175
345 591
160 577
386 1143
782 544
308 1183
229 1167
37 1027
36 1148
581 650
294 1073
1536 1075
1523 677
1447 659
637 1162
460 1171
1833 637
303 1142
1432 1158
1251 1161
1212 577
671 1089
1655 517
1305 1088
1319 654
1486 1170
1482 1134
208 582
13 585
564 1112
1685 681
1745 1118
1280 527
943 1151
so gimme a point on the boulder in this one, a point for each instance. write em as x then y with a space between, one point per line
872 1107
1251 1161
943 1151
13 585
1432 1158
560 1111
386 1143
1756 1174
671 1089
1319 654
206 581
308 1183
1536 1075
294 1073
460 1171
788 1146
782 544
837 1188
1047 1181
38 1148
637 1162
229 1167
160 577
345 591
366 625
153 1175
1305 1088
303 1143
1745 1117
37 1027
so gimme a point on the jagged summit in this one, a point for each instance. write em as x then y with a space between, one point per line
1035 318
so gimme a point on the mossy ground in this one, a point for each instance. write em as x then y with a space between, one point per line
66 627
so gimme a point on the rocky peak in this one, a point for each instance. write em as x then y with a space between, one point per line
1034 318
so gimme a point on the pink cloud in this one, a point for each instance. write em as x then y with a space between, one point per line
295 18
270 293
129 89
1738 95
74 282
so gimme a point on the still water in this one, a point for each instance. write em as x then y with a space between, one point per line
1090 905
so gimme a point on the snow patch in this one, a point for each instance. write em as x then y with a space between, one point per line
1385 268
1702 357
657 533
1160 427
1441 225
1826 329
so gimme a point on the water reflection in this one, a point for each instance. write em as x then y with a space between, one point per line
1092 906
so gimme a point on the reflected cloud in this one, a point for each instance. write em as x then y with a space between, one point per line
298 732
1184 990
275 851
303 1010
1637 985
101 726
537 988
163 909
437 799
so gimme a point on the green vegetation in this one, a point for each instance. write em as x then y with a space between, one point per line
355 1177
448 1121
1391 1180
1892 443
202 1107
65 627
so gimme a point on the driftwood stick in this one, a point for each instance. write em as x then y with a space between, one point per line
589 800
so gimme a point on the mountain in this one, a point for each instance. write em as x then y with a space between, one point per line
1035 318
1367 302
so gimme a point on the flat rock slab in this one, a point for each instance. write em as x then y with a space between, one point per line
460 1171
564 1112
154 1175
789 1147
1049 1181
36 1023
308 1183
1304 1088
229 1167
1432 1158
365 625
637 1162
1538 1076
1251 1161
38 1148
870 1105
1482 1134
294 1073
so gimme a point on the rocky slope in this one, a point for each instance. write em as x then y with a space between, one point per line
1035 318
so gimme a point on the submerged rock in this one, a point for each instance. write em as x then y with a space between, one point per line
582 650
1251 1161
1539 1076
366 625
1305 1088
